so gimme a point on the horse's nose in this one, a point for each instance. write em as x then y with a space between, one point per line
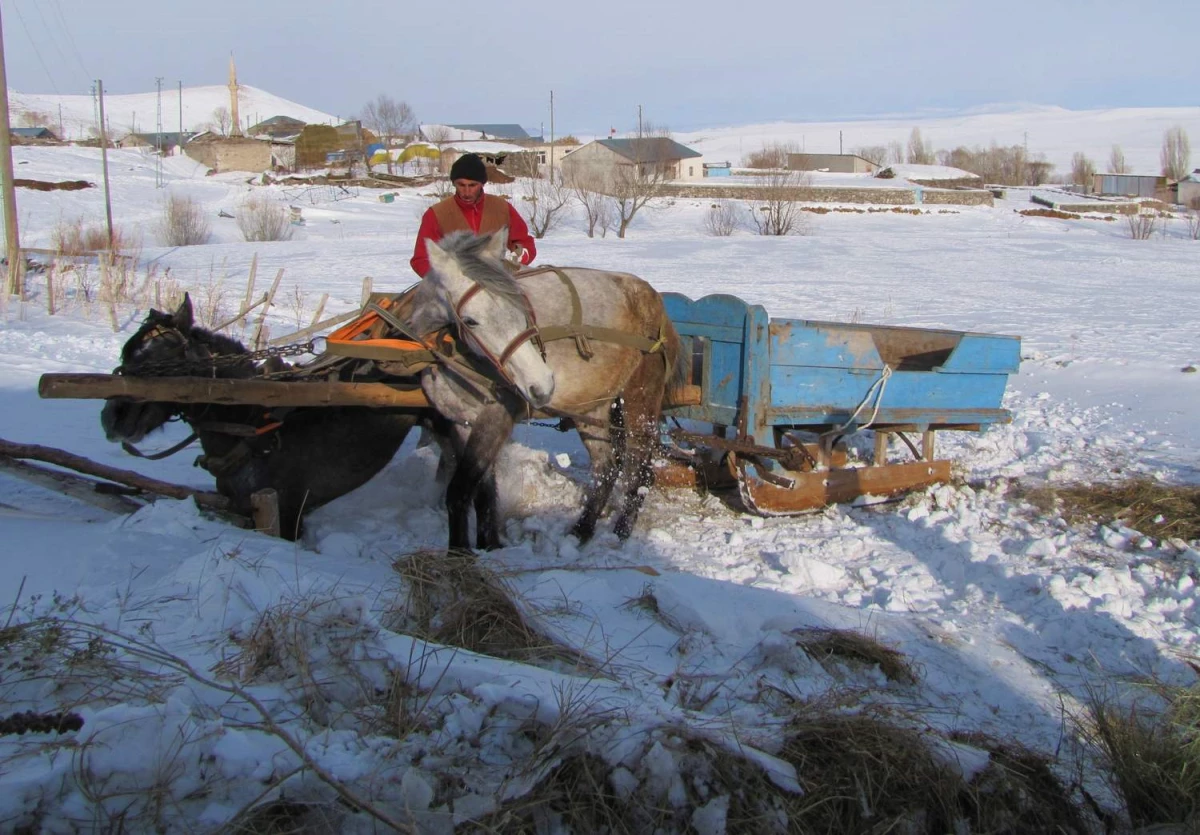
540 395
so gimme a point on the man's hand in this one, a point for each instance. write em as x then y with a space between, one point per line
519 254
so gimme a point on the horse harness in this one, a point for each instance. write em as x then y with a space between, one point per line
249 435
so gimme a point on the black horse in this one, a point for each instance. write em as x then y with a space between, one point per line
309 455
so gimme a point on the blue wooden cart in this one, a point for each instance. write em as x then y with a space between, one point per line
777 398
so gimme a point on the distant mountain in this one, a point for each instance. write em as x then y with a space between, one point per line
1053 132
76 115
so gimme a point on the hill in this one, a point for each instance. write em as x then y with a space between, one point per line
76 115
1053 131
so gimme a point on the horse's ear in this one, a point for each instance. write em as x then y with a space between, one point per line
438 259
183 319
496 244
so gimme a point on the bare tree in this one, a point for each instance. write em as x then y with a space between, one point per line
636 183
778 211
1083 171
895 151
1116 161
440 136
389 120
920 150
591 196
1193 219
1176 154
771 155
877 154
1141 225
542 202
221 119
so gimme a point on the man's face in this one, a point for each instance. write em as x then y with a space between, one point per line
468 191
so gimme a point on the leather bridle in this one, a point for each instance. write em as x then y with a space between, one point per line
530 334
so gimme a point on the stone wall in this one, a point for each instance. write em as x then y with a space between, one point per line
232 154
832 194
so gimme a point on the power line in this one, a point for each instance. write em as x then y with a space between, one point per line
70 38
33 44
62 59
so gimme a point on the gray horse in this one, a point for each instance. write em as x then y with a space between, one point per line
596 347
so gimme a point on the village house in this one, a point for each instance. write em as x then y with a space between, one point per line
604 159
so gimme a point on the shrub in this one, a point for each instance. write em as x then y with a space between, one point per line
771 155
1141 226
721 219
73 238
261 219
183 222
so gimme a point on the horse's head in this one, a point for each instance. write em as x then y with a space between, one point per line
167 344
468 287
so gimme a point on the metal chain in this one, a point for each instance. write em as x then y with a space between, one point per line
215 361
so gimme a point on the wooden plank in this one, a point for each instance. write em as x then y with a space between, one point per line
206 390
62 458
69 484
407 395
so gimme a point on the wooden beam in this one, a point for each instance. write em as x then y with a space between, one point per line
257 392
206 390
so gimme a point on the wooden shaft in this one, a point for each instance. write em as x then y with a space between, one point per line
258 392
206 390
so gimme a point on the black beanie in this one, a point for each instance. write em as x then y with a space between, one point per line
469 167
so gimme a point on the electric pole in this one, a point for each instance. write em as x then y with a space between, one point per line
181 117
551 136
104 163
158 134
16 279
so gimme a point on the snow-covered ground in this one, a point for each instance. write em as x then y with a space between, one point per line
1006 614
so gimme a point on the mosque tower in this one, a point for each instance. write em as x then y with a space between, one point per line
236 121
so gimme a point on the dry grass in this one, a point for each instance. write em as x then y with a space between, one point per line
648 603
1153 750
865 773
453 599
1164 511
823 645
579 794
287 817
71 237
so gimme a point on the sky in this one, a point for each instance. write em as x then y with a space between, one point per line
688 66
1007 615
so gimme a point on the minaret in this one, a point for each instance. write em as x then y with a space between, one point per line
236 127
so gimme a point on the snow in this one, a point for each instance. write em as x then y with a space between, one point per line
1008 615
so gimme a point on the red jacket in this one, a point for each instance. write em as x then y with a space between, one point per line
431 230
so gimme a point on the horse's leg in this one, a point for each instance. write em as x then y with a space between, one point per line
599 445
487 517
489 431
641 407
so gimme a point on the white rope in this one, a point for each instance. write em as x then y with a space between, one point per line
876 390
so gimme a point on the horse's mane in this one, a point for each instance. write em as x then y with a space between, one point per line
215 342
469 251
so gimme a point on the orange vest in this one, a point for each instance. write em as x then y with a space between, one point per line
450 217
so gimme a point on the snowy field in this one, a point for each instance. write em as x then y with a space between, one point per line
1006 615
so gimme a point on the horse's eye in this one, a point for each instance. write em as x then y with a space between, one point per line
470 323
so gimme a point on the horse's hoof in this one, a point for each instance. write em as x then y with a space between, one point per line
583 533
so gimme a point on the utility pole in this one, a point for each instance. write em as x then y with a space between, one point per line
639 121
551 136
16 278
158 135
839 143
181 117
104 163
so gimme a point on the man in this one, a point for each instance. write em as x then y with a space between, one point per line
469 209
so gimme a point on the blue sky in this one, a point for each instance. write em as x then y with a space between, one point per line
689 65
